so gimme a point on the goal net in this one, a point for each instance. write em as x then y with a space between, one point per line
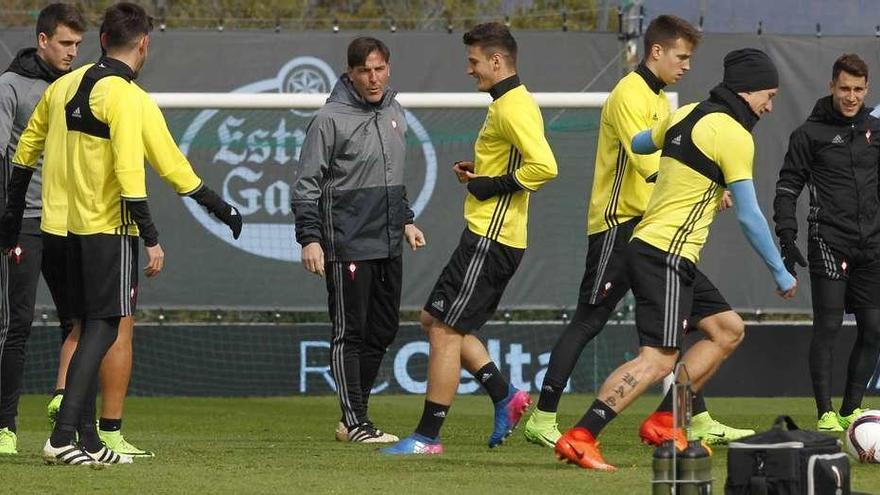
256 140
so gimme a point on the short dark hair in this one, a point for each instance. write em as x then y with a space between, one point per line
361 47
851 64
492 37
124 24
665 29
60 13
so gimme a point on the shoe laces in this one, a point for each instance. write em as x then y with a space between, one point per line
370 429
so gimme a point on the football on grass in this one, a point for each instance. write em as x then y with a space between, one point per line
863 437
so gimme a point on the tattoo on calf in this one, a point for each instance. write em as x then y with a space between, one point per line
628 385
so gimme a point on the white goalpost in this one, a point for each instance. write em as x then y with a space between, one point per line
265 101
246 145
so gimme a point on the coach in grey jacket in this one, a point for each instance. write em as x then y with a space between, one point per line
352 216
59 32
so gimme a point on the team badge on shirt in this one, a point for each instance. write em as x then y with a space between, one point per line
868 136
352 268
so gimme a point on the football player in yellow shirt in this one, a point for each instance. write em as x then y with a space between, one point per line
707 149
512 159
97 126
622 185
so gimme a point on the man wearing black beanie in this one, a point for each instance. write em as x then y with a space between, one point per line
707 148
835 154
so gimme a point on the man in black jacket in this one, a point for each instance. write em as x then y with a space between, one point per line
352 216
836 154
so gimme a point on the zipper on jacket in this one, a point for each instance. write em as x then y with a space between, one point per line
385 178
852 165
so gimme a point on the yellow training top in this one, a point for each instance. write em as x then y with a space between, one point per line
620 191
511 141
103 154
684 201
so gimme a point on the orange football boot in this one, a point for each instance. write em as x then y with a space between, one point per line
577 446
657 428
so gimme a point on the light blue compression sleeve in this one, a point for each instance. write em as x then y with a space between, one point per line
642 144
755 227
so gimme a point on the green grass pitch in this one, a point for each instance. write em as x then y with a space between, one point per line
286 445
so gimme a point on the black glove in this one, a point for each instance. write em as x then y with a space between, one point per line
215 205
484 188
791 255
10 226
16 192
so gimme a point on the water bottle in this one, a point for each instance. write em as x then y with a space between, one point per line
664 469
694 470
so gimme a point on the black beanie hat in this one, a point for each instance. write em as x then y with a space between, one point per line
749 69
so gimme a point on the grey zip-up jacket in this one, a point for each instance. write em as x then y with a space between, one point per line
348 191
21 87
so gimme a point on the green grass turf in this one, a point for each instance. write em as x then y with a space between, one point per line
286 445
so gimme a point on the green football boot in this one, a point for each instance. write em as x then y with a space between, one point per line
829 422
707 429
542 428
117 443
8 442
53 408
845 421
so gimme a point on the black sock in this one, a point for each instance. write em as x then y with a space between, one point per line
8 423
432 419
58 391
106 424
549 398
597 417
62 435
88 437
666 403
493 381
698 404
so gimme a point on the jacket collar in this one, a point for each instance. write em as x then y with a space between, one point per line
824 111
653 82
344 92
28 64
502 87
118 67
738 108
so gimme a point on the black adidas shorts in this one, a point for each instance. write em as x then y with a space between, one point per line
103 274
469 288
55 272
858 268
605 279
672 295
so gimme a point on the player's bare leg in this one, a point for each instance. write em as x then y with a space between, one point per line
444 363
634 377
67 349
724 332
621 388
